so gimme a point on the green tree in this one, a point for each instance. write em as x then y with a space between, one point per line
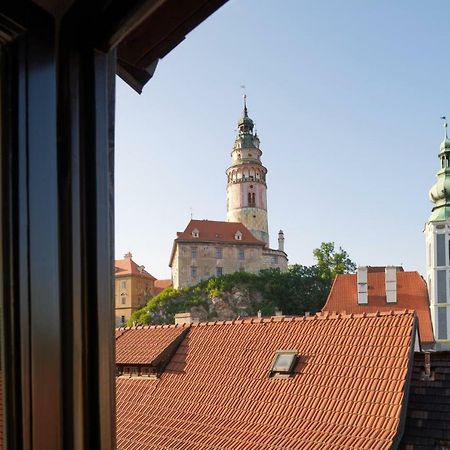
331 262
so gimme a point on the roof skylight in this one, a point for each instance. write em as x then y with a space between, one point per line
283 364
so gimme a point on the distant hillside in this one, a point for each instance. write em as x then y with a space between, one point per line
240 294
301 289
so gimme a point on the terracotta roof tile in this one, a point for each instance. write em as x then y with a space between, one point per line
216 231
128 267
142 345
347 392
411 294
160 285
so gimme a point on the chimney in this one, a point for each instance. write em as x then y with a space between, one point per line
278 312
259 314
128 255
390 274
281 241
185 317
362 285
141 269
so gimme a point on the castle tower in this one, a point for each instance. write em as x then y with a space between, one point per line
246 181
437 236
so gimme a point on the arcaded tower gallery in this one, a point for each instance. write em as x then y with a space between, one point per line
246 178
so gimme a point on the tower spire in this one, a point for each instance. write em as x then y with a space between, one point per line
245 105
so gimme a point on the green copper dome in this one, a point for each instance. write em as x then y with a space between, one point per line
440 192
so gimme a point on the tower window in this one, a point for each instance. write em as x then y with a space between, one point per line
219 253
441 286
274 259
194 252
440 248
251 199
123 285
123 300
242 253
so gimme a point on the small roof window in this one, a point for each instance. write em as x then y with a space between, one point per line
283 364
238 235
195 233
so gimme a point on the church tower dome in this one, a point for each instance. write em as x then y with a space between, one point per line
246 181
437 237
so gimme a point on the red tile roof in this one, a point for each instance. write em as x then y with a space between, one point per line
411 294
213 231
143 345
347 392
220 232
160 285
128 267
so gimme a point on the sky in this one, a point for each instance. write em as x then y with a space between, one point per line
346 97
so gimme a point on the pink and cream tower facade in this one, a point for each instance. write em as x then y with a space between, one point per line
246 181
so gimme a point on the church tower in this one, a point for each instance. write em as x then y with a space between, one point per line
246 185
437 236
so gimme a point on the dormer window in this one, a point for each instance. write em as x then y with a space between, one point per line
283 364
195 233
238 236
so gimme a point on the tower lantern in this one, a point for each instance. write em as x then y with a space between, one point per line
246 181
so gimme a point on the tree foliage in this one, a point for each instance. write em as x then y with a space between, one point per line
331 262
301 289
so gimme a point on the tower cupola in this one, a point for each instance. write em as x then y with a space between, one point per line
245 124
440 192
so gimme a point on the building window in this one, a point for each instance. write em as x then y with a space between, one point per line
440 248
242 253
193 272
441 286
442 323
122 320
219 253
274 259
123 285
123 300
194 252
219 271
251 199
241 268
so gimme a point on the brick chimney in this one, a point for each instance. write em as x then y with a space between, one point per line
185 317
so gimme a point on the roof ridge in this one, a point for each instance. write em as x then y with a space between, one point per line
148 327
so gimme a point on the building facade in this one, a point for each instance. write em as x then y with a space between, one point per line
209 248
437 238
133 287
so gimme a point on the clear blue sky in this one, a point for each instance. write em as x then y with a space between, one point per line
346 96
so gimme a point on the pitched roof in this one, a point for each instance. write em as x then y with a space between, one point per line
347 392
160 285
143 345
411 294
127 266
219 232
428 417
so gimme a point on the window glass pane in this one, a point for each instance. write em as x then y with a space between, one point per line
440 248
441 287
442 323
